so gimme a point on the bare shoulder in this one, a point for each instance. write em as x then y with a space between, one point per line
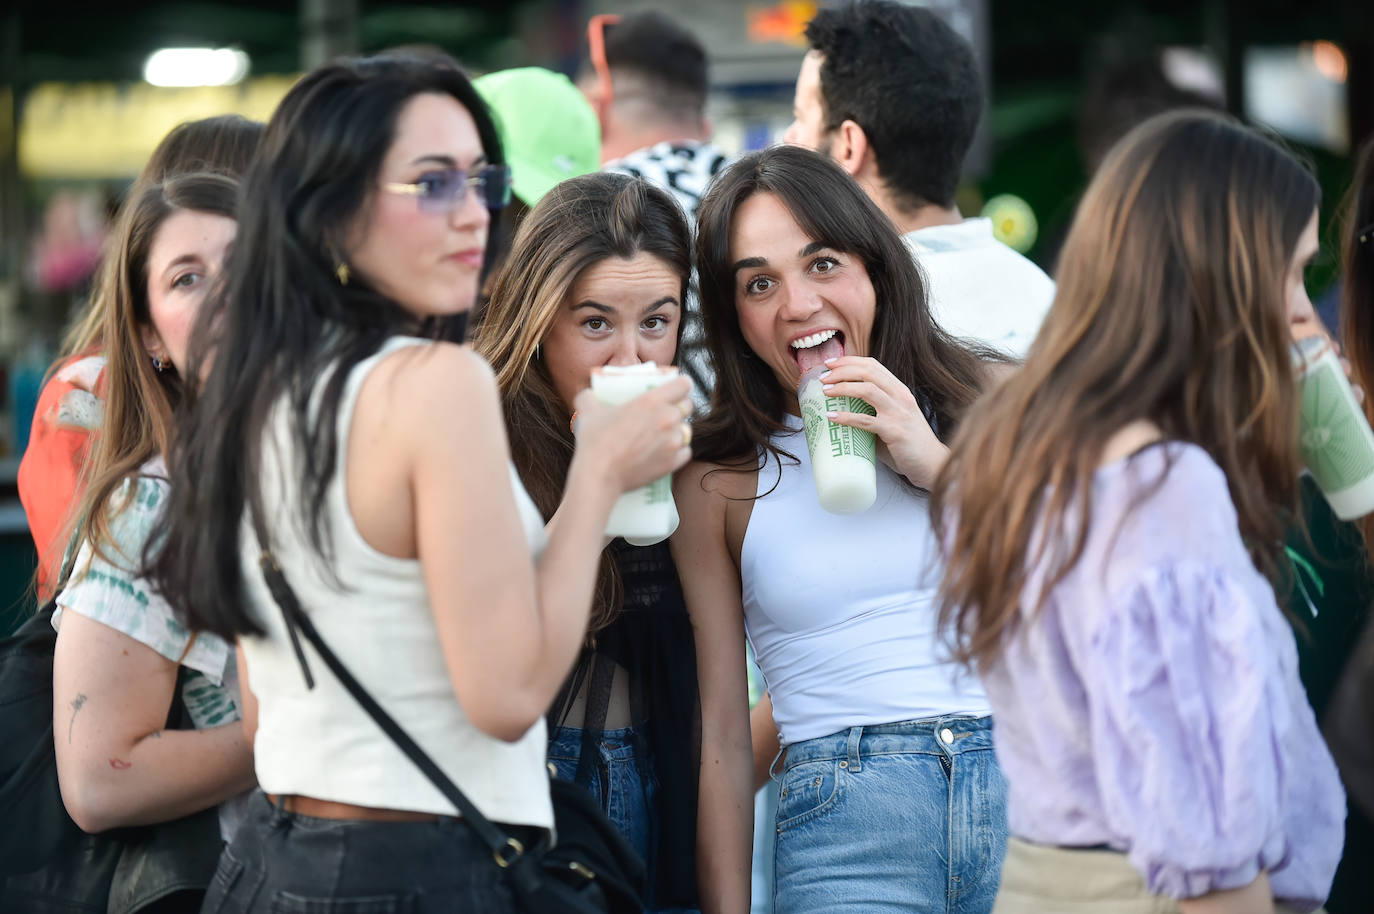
703 482
418 380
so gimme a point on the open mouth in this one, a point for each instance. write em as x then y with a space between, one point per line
815 349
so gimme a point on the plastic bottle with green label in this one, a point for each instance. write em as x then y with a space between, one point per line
842 458
646 515
1336 442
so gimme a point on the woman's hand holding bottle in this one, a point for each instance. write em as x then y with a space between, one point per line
631 445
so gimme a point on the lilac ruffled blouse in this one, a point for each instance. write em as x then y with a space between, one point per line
1154 705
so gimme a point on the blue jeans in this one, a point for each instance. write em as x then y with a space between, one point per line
626 796
906 817
285 863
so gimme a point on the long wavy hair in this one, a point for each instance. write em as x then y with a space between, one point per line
140 402
1357 295
222 145
578 224
283 322
747 404
1170 309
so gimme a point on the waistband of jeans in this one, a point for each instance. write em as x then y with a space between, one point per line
947 736
619 743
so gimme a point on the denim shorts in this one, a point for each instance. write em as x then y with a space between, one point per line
906 817
285 863
626 796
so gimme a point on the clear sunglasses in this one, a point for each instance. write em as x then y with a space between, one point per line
444 190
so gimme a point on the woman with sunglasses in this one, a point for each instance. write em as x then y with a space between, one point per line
375 461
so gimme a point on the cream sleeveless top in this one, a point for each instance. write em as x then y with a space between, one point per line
376 617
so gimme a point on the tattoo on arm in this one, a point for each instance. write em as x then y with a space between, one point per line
76 705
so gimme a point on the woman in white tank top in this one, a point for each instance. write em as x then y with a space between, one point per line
890 796
377 458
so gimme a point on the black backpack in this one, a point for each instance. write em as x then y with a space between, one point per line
37 825
47 863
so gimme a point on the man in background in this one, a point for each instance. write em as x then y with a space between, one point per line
893 94
647 81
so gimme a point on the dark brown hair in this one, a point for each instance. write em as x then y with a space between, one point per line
1170 309
747 405
578 224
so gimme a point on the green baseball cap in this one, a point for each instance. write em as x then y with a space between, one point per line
549 130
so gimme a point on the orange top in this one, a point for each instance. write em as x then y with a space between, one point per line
53 469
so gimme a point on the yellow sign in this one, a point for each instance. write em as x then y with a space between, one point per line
104 130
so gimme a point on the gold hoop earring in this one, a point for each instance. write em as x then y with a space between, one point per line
342 272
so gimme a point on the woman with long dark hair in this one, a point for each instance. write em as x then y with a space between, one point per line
597 276
1110 519
375 461
890 796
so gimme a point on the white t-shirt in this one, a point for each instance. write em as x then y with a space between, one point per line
979 288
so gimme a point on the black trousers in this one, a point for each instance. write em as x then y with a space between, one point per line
286 863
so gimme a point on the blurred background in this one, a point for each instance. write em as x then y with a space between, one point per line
88 88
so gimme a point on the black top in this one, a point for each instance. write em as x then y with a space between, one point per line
652 640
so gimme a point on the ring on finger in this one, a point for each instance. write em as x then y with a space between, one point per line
686 435
686 407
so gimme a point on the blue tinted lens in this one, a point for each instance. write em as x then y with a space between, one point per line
441 190
495 182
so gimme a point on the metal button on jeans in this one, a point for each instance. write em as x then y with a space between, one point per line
947 736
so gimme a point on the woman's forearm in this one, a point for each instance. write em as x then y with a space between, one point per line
1255 898
566 576
725 832
163 776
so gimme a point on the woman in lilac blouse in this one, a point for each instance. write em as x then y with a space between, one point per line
1111 517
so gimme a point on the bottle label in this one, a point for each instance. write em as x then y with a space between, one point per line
1334 443
659 492
826 437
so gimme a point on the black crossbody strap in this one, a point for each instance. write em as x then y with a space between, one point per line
503 847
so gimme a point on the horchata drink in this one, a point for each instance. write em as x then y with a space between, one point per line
1337 444
842 458
646 515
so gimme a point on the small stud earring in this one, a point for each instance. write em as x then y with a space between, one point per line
159 364
341 271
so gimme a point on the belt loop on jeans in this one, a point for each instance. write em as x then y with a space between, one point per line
774 772
852 761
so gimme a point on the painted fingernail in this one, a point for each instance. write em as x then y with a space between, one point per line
827 387
832 361
824 373
832 416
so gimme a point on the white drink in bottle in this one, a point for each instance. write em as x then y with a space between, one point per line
1336 442
842 458
646 515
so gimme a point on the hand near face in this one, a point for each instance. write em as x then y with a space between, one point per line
905 440
638 442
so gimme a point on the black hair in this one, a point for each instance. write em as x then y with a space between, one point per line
665 56
747 404
283 321
911 82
